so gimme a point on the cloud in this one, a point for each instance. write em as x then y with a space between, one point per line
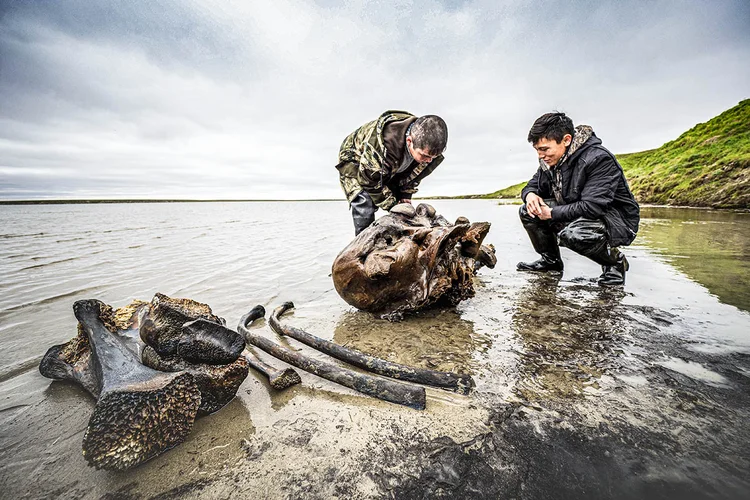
217 99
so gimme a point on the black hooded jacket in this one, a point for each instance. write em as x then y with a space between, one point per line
593 187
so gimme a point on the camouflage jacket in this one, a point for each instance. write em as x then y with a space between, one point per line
362 165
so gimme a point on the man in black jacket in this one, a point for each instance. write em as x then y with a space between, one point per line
578 198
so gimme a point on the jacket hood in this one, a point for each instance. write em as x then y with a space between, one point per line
583 138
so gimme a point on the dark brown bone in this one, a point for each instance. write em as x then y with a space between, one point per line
203 341
387 390
201 345
446 380
140 412
218 383
279 379
410 259
162 326
211 341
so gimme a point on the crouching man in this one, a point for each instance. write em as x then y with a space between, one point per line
578 198
383 161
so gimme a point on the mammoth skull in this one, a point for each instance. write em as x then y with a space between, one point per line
410 259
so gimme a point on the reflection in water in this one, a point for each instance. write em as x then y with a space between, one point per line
569 335
435 339
711 247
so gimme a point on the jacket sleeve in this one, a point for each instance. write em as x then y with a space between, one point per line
370 177
597 193
410 186
532 186
406 192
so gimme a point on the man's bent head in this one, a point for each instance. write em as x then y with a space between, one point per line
427 139
551 135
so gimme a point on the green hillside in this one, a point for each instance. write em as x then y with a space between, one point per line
707 166
513 191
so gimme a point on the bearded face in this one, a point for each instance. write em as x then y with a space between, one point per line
410 259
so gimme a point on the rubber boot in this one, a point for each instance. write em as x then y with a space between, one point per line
615 274
544 240
548 263
363 212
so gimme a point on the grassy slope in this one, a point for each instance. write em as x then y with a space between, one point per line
707 166
513 191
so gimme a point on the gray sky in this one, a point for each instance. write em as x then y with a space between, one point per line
236 99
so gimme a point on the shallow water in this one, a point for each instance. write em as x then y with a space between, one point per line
677 336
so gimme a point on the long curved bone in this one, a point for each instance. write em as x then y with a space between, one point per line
456 382
140 412
394 392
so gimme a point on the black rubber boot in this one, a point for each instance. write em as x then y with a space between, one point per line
615 275
544 240
363 212
548 262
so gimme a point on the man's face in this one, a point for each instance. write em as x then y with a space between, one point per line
421 155
550 150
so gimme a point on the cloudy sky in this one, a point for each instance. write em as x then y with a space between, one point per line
236 99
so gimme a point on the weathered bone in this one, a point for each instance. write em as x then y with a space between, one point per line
218 383
208 342
162 326
279 379
387 390
404 209
183 334
203 341
446 380
140 412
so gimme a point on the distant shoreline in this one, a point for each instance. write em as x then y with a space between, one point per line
83 202
80 202
500 201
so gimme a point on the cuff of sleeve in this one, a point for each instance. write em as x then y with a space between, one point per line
556 213
388 203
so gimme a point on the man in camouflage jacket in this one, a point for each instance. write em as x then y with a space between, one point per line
383 161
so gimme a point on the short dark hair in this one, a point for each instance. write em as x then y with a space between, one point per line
429 133
551 126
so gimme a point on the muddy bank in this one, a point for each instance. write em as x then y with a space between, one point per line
582 392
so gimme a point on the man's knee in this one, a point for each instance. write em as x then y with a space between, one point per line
526 218
583 234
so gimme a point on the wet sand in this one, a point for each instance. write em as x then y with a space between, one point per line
582 391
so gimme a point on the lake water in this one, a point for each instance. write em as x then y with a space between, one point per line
683 314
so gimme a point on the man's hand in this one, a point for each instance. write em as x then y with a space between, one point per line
536 207
405 200
534 204
546 212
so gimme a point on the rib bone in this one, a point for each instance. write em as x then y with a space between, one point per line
387 390
456 382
